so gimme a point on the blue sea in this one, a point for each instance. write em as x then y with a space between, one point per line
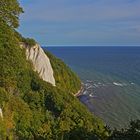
111 77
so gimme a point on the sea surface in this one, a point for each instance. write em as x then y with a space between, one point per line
111 77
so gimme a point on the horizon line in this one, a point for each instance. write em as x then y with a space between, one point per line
90 45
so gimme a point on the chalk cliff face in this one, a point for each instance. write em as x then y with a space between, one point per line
40 62
1 115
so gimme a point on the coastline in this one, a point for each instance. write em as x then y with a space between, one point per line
80 91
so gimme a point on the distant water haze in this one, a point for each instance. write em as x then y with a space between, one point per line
111 77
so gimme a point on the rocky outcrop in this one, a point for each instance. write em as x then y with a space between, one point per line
1 115
41 62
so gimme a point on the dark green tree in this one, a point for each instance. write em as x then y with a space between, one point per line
130 133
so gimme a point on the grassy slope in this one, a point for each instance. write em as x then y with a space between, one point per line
65 78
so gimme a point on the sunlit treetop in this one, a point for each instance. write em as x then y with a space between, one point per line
9 12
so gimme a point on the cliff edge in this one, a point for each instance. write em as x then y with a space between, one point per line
41 62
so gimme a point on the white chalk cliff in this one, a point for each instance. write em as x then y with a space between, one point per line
1 115
41 62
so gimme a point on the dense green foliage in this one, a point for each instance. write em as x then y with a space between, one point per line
34 109
65 78
27 41
9 12
130 133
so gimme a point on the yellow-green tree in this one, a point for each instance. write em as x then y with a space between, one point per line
10 11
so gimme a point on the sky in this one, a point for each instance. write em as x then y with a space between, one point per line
82 22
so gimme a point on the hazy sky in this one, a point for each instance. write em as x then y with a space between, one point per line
82 22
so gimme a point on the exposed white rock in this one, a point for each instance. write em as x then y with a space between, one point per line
1 115
40 62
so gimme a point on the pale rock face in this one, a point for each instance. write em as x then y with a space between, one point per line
1 115
40 62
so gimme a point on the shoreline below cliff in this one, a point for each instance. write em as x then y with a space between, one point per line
80 91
